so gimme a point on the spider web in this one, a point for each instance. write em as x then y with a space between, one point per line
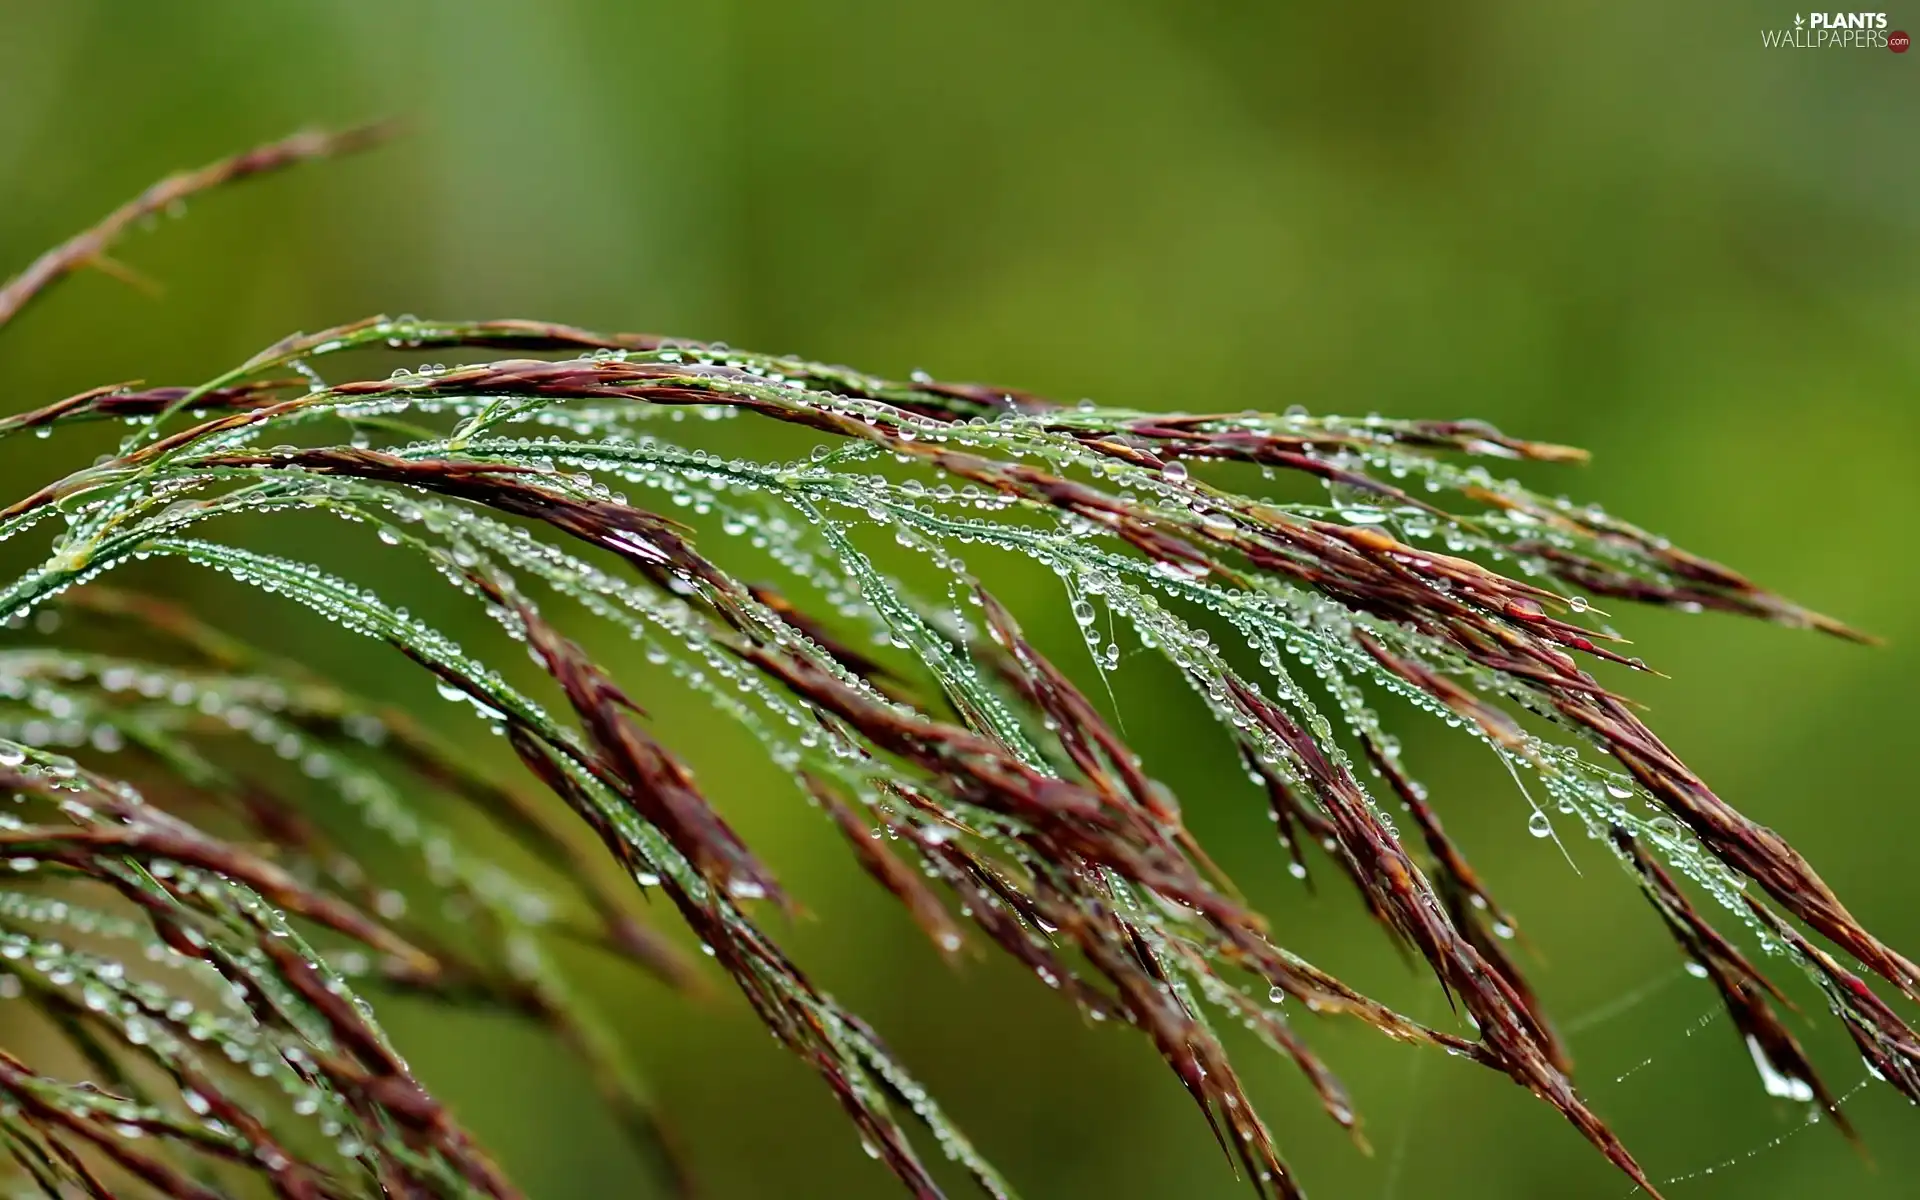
1615 1080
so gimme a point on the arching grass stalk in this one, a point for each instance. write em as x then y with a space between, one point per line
223 994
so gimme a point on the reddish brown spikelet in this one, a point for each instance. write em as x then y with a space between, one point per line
906 884
1485 923
90 248
1507 1026
1740 984
658 785
865 666
1889 1046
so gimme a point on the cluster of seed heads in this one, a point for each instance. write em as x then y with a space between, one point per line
220 862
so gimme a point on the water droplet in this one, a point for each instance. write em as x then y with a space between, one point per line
1786 1087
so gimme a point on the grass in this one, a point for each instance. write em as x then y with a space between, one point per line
196 919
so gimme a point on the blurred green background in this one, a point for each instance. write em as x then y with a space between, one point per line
1625 226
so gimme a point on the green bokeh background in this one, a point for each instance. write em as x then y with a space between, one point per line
1621 225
